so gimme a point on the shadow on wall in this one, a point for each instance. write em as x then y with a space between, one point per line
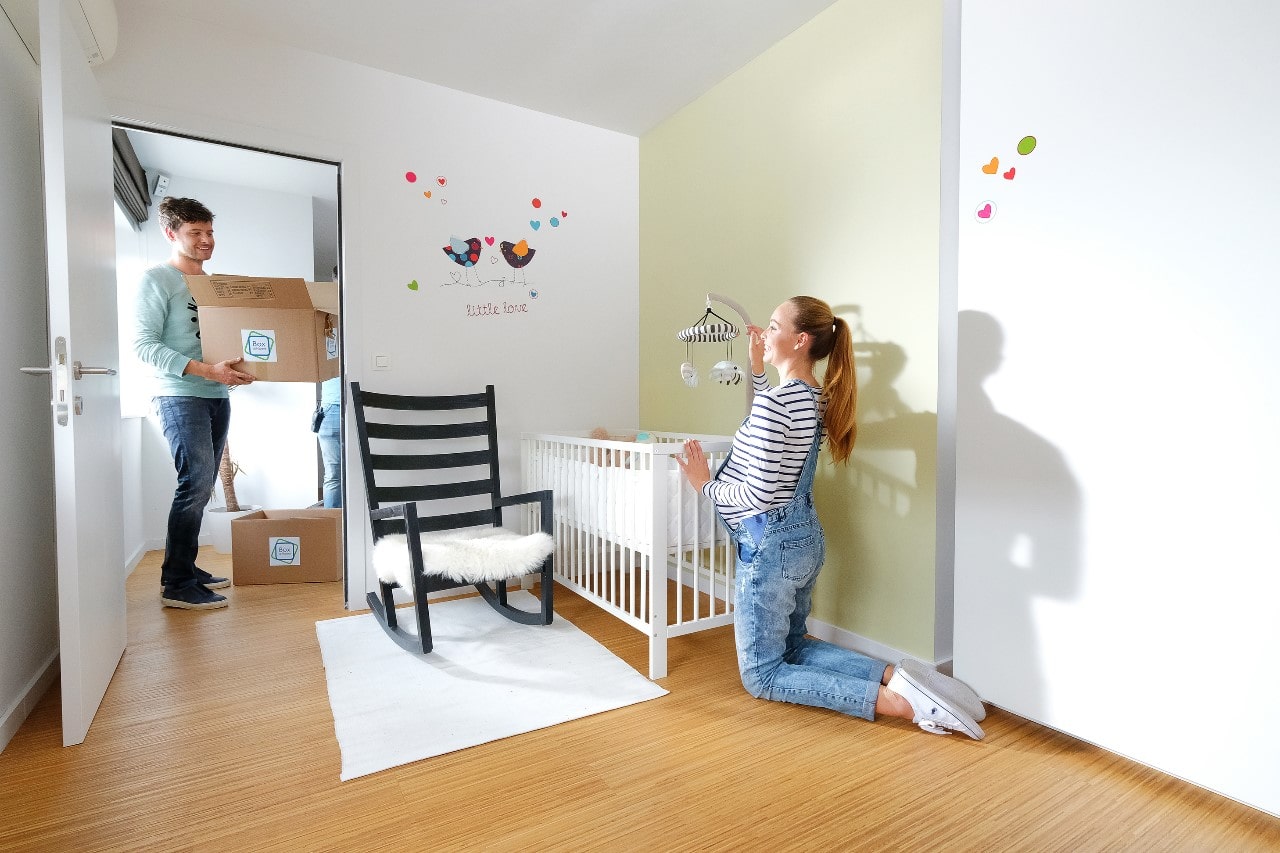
883 505
1018 519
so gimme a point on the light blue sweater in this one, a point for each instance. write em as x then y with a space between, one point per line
167 335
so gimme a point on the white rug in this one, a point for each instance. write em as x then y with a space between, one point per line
486 678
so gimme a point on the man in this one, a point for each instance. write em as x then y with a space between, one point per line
191 398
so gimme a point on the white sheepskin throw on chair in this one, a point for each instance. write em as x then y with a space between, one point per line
467 556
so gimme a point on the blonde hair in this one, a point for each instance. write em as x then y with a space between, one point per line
832 340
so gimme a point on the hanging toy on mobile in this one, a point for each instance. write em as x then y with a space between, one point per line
712 328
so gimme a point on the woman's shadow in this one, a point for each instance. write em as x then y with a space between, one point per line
1018 533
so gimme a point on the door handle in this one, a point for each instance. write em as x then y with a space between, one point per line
61 388
78 371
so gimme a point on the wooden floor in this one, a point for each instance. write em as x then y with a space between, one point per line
216 735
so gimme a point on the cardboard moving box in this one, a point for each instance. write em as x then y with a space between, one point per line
285 329
287 546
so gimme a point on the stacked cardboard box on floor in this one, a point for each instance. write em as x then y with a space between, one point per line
287 546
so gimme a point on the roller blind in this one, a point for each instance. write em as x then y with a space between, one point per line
130 179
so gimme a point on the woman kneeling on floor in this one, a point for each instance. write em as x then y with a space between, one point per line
764 494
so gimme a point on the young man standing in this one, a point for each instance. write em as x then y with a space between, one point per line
190 399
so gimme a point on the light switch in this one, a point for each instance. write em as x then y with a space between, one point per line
382 362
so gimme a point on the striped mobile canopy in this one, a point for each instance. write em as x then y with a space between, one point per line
703 332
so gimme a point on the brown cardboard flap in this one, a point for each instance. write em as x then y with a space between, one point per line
324 295
239 291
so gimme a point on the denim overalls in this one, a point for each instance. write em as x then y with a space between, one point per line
780 552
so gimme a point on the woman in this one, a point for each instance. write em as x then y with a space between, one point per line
763 493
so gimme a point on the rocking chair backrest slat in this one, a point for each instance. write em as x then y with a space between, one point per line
426 432
374 400
404 494
434 523
397 434
428 461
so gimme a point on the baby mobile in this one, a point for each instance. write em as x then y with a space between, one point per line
712 328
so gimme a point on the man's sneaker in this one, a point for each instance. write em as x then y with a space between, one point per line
211 581
952 691
932 713
208 581
193 598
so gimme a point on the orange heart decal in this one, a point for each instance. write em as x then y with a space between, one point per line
992 167
427 193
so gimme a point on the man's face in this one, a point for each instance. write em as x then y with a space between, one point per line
193 240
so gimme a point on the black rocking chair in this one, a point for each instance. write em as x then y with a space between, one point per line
421 449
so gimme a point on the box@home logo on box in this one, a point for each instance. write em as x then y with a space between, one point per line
285 550
259 345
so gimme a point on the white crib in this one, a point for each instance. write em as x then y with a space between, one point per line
631 535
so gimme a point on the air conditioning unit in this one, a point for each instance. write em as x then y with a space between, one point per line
95 23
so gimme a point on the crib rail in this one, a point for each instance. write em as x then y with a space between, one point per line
631 535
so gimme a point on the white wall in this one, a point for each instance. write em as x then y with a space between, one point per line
569 361
1117 402
28 572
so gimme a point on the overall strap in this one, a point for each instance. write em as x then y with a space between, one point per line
805 485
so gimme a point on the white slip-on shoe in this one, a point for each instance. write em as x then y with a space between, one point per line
932 712
951 690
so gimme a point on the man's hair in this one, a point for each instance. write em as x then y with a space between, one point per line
175 211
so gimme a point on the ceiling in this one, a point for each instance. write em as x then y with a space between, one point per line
226 164
624 65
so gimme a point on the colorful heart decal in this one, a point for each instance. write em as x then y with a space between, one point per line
1008 176
489 240
535 224
427 194
563 214
992 167
985 211
442 180
413 285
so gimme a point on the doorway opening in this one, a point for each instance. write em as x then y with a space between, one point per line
275 215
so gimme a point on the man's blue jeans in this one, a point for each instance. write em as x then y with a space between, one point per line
778 564
330 437
196 429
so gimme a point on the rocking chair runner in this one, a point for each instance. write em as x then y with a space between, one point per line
443 551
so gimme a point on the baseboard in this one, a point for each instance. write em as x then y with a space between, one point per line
17 713
132 562
872 649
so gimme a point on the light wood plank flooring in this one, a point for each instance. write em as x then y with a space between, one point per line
216 735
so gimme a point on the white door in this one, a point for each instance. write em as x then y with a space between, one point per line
86 406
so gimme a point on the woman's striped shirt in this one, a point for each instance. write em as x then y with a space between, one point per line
769 451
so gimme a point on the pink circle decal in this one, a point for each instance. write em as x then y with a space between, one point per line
410 177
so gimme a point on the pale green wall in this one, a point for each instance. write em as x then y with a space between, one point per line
815 169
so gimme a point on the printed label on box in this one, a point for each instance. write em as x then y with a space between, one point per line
285 550
258 344
331 344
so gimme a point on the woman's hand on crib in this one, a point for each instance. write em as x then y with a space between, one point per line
694 464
